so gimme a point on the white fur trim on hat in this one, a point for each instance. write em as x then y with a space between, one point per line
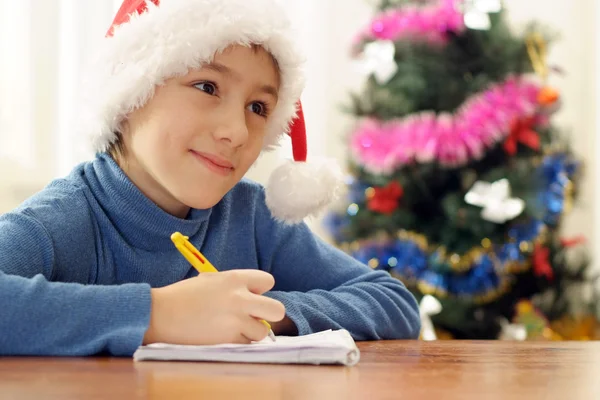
170 39
297 189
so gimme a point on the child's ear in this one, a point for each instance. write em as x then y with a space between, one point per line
123 128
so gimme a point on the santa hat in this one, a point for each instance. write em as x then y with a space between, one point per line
150 41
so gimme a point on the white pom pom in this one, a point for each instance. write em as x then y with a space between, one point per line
298 189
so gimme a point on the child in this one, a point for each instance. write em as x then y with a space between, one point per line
185 96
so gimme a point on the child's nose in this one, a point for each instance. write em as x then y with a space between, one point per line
232 128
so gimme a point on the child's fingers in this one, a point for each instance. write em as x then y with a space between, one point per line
257 281
255 330
262 307
240 339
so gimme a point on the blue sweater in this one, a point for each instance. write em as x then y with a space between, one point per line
78 259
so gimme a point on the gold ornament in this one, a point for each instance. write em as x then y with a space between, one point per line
486 243
577 328
536 49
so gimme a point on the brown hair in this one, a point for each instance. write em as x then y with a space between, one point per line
117 148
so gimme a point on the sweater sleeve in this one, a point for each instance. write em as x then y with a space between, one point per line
324 288
41 317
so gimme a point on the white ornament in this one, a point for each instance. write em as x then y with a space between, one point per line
476 13
498 206
377 59
513 332
488 6
428 307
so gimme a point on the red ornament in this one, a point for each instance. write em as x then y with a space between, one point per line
541 264
385 200
521 130
576 241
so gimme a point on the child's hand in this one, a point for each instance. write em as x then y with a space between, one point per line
213 308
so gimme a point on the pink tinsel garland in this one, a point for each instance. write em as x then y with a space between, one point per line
430 23
451 139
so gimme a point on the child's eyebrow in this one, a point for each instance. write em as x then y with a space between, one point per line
223 69
219 68
268 89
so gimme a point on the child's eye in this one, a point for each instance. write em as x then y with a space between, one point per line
207 87
260 108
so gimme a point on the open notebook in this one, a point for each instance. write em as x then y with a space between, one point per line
327 347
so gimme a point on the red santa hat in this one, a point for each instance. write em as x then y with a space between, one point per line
150 41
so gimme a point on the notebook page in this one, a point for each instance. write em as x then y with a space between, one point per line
327 347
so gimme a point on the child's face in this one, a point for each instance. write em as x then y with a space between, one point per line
200 133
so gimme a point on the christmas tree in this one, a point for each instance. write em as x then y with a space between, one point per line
459 180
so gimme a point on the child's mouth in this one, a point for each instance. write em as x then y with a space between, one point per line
213 163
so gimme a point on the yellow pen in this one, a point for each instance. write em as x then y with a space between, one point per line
201 263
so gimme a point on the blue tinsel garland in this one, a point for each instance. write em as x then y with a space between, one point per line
489 274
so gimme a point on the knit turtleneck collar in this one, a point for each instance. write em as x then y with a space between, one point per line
141 222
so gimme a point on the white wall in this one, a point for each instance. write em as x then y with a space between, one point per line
27 81
596 135
42 45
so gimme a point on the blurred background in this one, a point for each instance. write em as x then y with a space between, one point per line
44 44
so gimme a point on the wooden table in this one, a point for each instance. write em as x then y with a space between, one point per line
387 370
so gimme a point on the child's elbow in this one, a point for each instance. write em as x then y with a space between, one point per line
410 327
414 325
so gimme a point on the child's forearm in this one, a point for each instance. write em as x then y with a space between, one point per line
378 308
323 288
66 319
